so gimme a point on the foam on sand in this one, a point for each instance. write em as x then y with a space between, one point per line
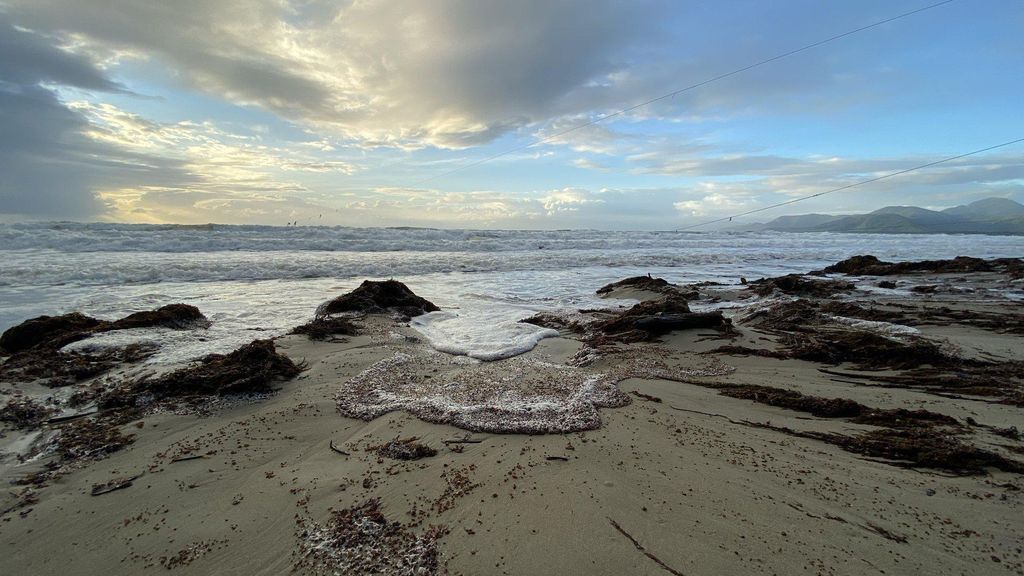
518 395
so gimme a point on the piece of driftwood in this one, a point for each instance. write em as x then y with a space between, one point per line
645 552
338 450
69 417
116 484
670 322
185 458
560 458
462 441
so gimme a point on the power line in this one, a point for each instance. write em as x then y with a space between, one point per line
676 93
848 186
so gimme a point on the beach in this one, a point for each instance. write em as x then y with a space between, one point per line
695 463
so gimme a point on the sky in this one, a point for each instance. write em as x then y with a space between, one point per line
381 113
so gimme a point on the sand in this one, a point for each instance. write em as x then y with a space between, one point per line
681 486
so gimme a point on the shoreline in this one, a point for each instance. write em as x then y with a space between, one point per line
679 477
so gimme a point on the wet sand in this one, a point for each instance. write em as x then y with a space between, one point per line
677 481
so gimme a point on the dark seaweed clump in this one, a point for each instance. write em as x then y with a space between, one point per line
800 285
176 316
652 318
251 368
867 265
54 331
326 327
373 297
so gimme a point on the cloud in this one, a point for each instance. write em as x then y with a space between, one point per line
450 73
49 166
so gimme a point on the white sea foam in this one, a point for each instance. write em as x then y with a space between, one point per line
482 334
259 281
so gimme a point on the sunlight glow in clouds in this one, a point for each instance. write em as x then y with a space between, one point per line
329 112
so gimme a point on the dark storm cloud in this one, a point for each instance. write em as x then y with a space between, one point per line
48 166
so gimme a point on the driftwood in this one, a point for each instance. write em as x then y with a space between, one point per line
186 458
560 458
116 484
338 450
68 418
641 548
461 441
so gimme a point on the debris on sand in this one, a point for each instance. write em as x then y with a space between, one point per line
322 328
652 318
251 368
361 540
55 331
868 265
55 368
405 449
798 284
78 442
25 412
176 316
373 297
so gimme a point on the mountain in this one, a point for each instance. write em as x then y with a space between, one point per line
988 216
988 209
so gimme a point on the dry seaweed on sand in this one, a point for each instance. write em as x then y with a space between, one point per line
836 407
81 441
800 285
361 540
927 448
404 449
25 412
373 297
251 368
322 328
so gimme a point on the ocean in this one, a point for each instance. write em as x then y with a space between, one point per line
259 281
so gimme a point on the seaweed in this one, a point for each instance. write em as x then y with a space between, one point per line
925 447
800 285
639 282
54 331
652 318
176 316
361 540
867 265
373 297
250 368
55 368
323 328
25 412
405 449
